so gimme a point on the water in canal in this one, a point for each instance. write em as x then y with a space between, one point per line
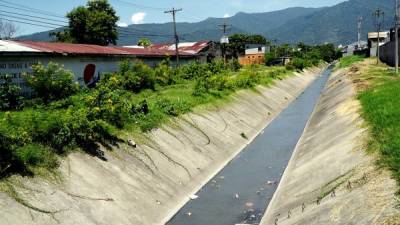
241 192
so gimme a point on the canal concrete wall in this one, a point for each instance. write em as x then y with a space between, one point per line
148 184
330 178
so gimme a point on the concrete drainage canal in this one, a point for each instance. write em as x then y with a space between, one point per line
241 192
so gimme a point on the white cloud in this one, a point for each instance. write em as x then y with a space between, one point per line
138 18
122 24
226 15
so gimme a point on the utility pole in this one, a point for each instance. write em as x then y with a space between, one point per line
359 30
396 40
224 39
379 16
173 11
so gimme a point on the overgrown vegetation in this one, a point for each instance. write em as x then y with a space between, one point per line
64 118
349 60
9 94
381 109
302 55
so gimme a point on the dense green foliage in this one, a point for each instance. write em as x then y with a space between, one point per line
303 55
145 42
51 82
137 98
10 97
381 109
94 24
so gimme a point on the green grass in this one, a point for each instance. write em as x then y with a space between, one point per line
349 60
381 109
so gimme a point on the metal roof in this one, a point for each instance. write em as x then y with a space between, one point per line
23 47
187 47
73 49
151 52
6 46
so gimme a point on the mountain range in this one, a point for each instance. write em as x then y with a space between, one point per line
336 24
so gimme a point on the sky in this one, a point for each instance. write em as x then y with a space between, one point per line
143 11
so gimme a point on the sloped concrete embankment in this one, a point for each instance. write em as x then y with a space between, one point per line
148 184
330 179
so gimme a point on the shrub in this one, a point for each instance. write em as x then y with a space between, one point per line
192 70
137 76
234 65
164 74
108 105
36 155
300 64
172 107
216 66
51 82
10 97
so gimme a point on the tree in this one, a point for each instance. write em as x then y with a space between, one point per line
95 23
144 42
7 30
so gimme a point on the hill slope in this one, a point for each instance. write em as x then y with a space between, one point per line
337 24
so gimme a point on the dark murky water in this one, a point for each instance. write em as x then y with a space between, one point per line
241 192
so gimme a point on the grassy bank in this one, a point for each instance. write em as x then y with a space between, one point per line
379 91
349 60
137 99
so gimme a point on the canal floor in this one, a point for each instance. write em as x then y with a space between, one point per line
241 192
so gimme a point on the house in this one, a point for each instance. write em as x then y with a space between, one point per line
373 41
203 51
254 54
87 62
355 48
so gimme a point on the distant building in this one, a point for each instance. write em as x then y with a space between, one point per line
373 41
355 49
254 54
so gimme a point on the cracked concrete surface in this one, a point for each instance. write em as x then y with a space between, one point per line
330 166
149 184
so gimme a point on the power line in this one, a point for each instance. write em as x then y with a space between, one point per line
28 23
27 10
27 7
32 16
134 30
139 5
31 20
173 12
